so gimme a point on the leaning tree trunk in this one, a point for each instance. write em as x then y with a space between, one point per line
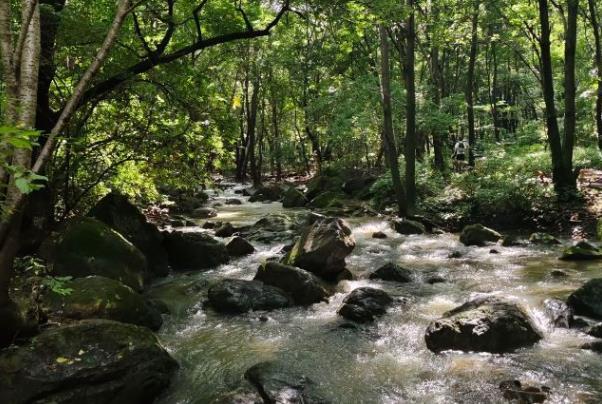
388 137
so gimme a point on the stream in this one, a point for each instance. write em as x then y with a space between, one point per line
384 362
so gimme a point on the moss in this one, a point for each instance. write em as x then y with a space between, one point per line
328 199
99 297
89 247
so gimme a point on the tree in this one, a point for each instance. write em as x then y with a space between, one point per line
387 133
561 151
470 81
410 78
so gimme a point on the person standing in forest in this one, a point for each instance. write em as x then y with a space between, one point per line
459 155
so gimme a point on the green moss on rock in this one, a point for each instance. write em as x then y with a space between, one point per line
104 298
89 247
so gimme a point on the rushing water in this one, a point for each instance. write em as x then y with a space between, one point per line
385 362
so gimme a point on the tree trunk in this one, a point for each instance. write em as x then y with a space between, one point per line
570 90
410 76
470 83
388 137
596 28
562 174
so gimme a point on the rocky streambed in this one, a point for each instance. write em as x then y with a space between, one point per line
271 304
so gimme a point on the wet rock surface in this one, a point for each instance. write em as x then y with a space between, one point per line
237 296
188 251
392 272
478 235
94 361
277 383
482 325
322 248
304 287
587 300
365 304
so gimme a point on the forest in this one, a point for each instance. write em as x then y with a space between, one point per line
300 201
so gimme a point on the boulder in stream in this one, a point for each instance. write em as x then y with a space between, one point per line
267 193
239 247
304 287
587 300
482 325
93 361
543 239
392 272
204 213
233 201
379 235
365 304
277 383
225 230
478 235
322 248
582 251
235 296
89 247
117 212
293 198
408 227
190 251
514 391
99 297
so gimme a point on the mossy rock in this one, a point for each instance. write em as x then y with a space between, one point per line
92 362
267 193
543 239
89 247
328 199
478 235
587 300
321 184
190 251
117 212
582 251
293 198
408 227
100 297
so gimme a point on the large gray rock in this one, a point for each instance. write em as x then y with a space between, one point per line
89 247
237 296
117 212
204 213
587 300
103 298
482 325
92 362
365 304
190 251
304 287
276 383
478 235
322 248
